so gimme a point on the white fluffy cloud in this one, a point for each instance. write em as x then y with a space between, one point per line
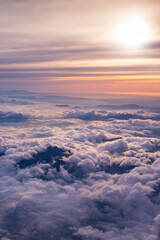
101 182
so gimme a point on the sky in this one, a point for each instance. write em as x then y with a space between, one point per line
81 48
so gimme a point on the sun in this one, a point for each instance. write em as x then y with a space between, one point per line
133 32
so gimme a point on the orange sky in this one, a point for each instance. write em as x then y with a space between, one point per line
72 47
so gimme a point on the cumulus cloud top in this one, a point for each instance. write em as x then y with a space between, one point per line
106 116
94 179
12 117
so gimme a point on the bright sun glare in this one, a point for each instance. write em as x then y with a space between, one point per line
133 33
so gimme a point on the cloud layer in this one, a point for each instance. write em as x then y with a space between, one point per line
79 179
